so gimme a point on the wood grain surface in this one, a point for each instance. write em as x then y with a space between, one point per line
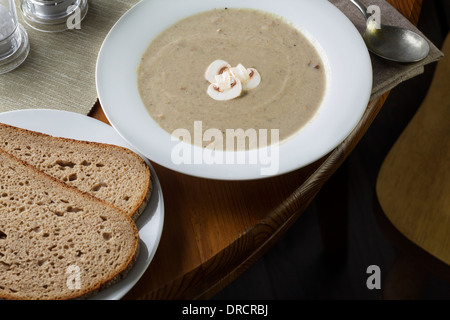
215 230
413 185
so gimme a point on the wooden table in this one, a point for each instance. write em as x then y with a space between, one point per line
215 230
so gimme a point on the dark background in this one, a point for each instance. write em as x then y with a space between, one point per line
295 267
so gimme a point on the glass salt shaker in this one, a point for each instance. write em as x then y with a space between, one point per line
54 15
14 44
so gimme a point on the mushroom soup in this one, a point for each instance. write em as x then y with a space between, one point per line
232 69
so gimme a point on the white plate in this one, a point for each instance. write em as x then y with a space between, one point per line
349 83
75 126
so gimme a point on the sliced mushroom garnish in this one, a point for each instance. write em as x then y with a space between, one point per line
216 68
227 82
223 81
241 73
225 90
250 77
254 81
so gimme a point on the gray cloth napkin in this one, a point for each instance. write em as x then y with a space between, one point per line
386 74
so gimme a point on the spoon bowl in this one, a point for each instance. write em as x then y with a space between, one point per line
393 43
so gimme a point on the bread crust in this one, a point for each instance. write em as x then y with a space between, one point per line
146 187
113 278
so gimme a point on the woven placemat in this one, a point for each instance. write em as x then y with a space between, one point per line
59 72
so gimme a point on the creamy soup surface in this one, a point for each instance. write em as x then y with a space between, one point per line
171 75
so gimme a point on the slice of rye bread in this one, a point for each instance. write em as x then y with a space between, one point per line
111 173
57 242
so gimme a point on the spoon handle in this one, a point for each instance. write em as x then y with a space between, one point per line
362 8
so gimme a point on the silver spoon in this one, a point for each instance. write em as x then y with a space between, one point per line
393 43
